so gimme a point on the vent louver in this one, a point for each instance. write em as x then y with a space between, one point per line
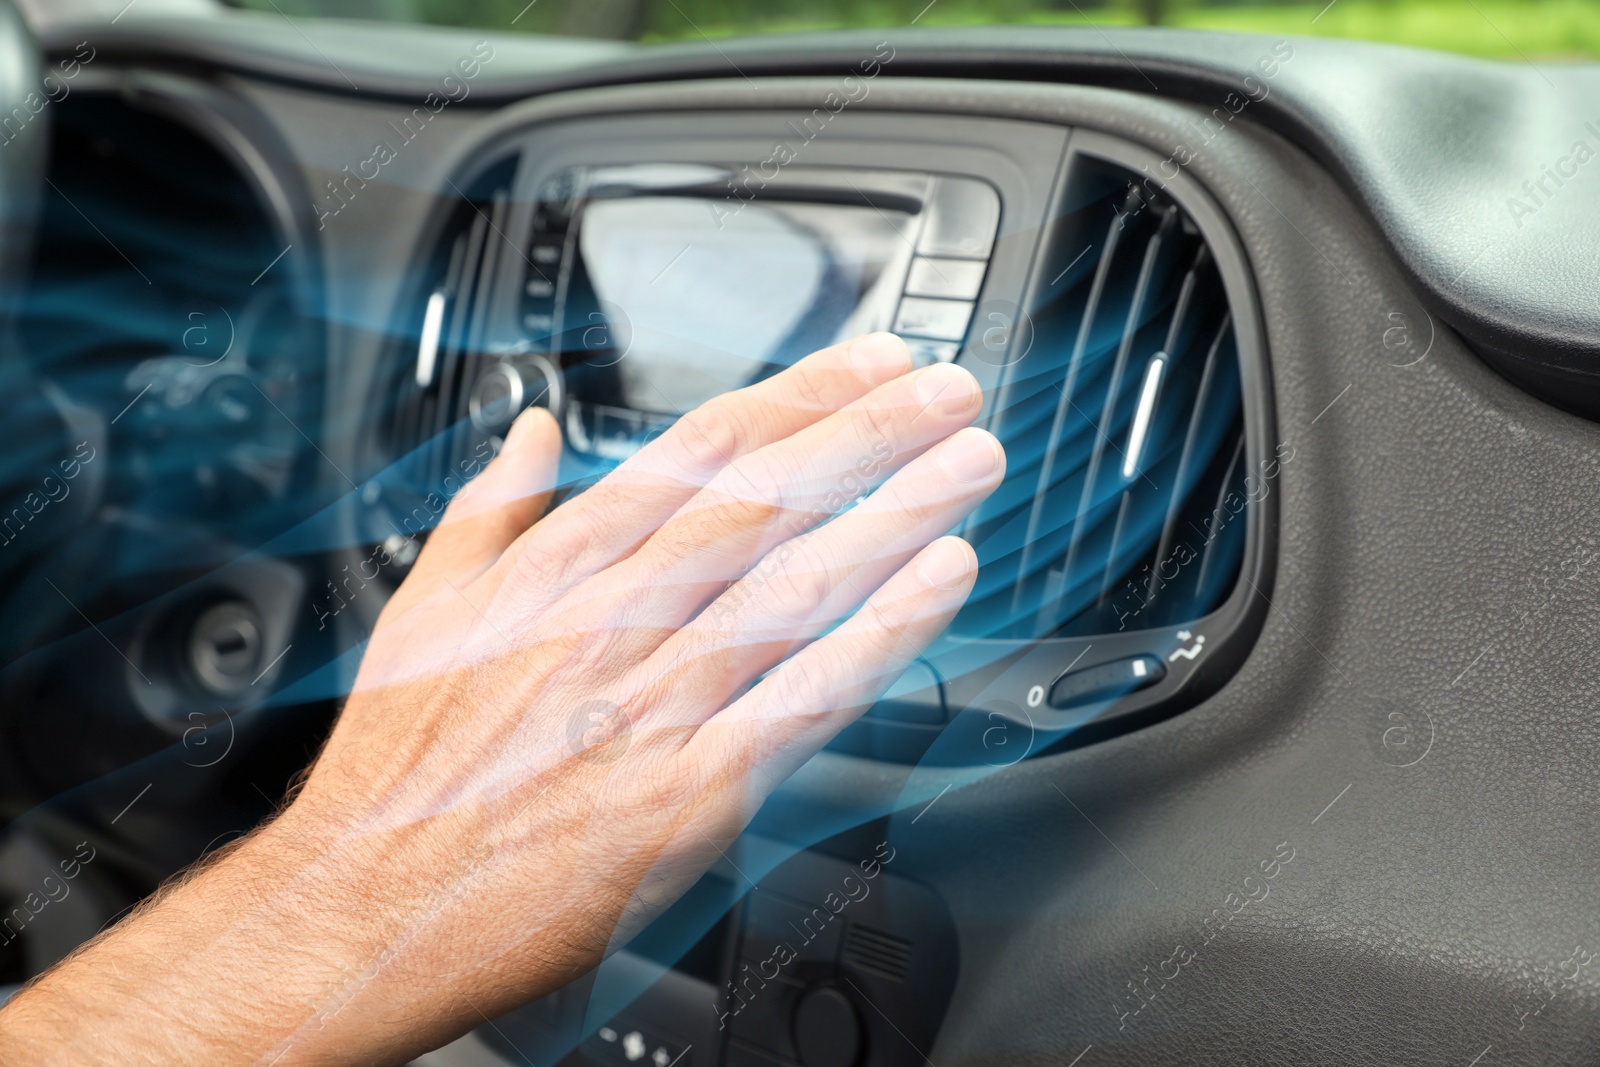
430 424
1124 428
876 952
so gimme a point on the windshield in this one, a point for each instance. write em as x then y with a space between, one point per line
1520 30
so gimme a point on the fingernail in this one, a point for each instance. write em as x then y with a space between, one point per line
946 563
947 389
969 455
879 357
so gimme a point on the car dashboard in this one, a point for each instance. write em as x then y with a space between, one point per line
1265 734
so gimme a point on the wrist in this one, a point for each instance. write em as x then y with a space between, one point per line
380 911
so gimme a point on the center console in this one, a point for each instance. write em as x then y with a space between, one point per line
621 268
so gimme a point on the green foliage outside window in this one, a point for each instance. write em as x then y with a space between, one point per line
1516 30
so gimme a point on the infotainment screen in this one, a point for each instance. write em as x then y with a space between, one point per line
655 288
706 307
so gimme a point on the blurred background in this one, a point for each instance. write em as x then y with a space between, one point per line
1546 30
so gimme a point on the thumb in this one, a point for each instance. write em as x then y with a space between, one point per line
497 506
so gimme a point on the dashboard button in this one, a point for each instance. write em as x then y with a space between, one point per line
943 320
502 392
546 251
962 219
1106 681
621 1044
496 398
953 279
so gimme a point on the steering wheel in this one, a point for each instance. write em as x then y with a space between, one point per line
24 138
22 152
25 118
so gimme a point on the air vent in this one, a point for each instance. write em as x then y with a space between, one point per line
875 952
442 366
1123 423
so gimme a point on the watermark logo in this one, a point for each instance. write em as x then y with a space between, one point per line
605 337
1406 342
1002 333
599 732
52 90
53 487
1400 736
198 737
208 335
1008 735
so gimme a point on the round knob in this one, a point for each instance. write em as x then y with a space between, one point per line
502 392
827 1030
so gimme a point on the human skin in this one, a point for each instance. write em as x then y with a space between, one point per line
558 725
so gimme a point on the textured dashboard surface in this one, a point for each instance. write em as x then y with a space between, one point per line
1416 722
1435 148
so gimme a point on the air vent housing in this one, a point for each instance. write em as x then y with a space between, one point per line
1125 560
457 382
1124 429
442 348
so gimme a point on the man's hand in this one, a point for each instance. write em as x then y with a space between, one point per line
558 725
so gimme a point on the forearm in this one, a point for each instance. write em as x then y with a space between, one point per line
325 937
274 951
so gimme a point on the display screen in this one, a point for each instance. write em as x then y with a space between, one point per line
675 299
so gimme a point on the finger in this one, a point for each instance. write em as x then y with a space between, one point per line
610 520
786 718
775 494
804 587
495 508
